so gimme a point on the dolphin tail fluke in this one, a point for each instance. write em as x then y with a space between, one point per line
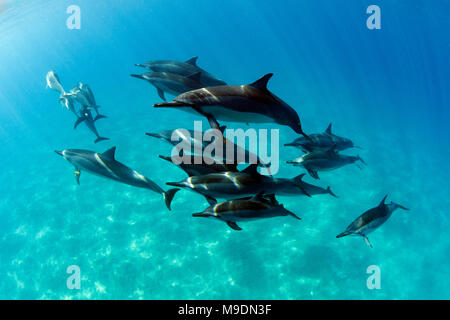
331 192
79 120
399 206
99 116
360 159
100 139
367 240
168 196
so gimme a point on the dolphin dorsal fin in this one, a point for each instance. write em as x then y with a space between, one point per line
258 197
195 76
262 82
110 153
383 201
328 130
251 169
192 61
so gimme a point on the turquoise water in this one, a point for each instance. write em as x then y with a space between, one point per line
386 89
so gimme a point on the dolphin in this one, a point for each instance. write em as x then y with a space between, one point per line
198 166
86 117
89 95
313 189
196 141
371 220
54 83
322 141
67 102
105 165
183 69
247 209
323 161
237 184
251 103
171 83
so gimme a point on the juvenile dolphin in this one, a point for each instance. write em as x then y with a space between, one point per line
183 69
89 95
194 138
197 166
171 83
248 209
86 117
371 220
251 103
322 141
54 83
105 165
231 185
323 161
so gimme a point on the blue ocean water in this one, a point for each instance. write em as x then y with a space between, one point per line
386 89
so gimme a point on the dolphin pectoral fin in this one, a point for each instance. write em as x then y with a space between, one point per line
211 120
77 176
212 201
313 173
367 240
233 225
79 120
168 196
360 159
294 215
161 94
304 191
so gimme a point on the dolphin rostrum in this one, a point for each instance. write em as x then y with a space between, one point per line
371 220
246 209
183 69
323 161
105 165
322 141
252 103
171 83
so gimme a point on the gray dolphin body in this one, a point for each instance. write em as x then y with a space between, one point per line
232 185
371 220
198 166
248 209
86 117
105 165
54 83
311 189
194 138
183 69
171 83
323 161
86 91
251 103
322 142
67 102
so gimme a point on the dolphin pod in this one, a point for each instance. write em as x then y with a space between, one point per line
246 194
105 165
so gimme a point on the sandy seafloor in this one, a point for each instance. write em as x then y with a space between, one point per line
386 89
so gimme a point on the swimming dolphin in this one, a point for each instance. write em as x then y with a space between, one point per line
198 166
251 103
196 141
231 185
247 209
54 83
105 165
183 69
323 161
171 83
89 95
322 141
67 102
371 220
86 117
